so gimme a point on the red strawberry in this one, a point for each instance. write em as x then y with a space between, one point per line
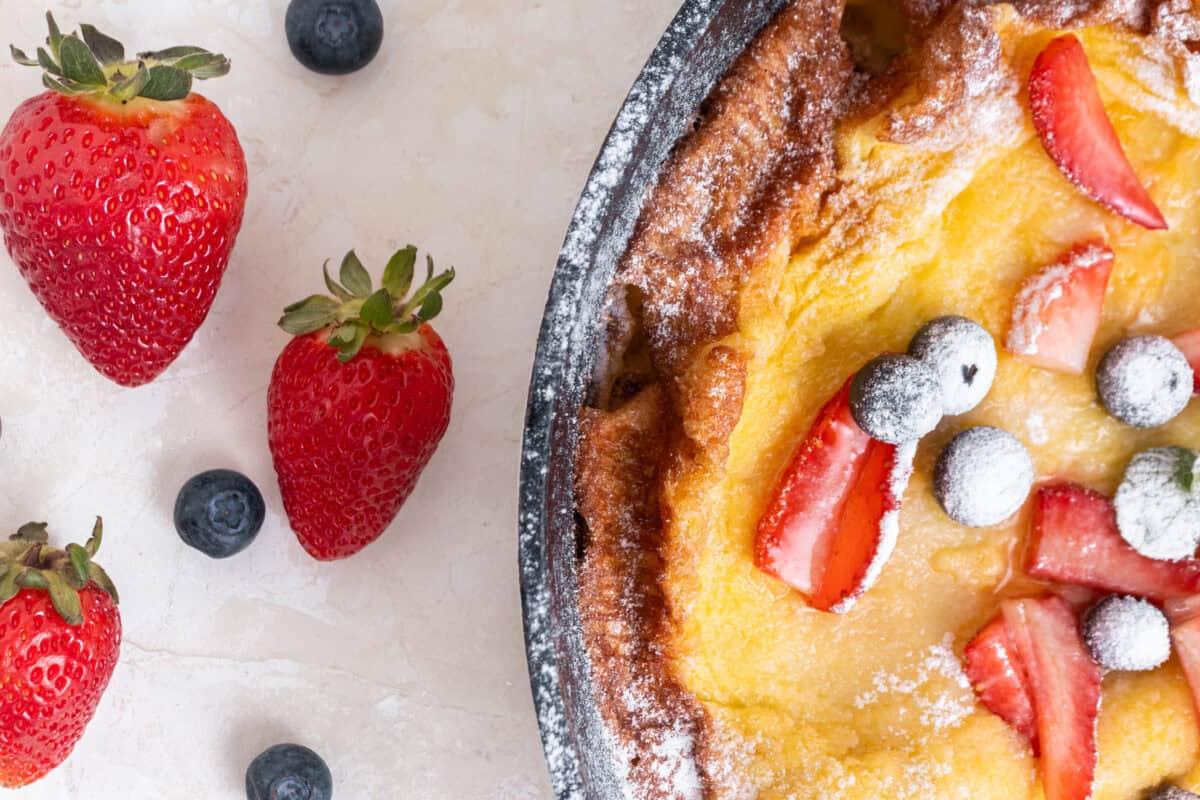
1182 609
833 520
1189 344
1185 635
60 634
1057 312
1075 130
121 195
998 677
358 403
1065 684
1075 541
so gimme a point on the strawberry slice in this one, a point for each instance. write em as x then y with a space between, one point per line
1182 609
1075 541
999 679
1189 343
1065 686
1186 638
1078 135
833 520
1057 311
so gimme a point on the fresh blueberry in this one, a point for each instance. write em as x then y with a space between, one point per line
219 513
334 37
1145 381
963 354
896 399
288 772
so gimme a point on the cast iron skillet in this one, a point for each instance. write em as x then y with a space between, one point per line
698 47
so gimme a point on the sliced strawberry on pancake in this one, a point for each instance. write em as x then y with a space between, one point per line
1182 609
1078 135
1057 311
1064 682
833 520
1184 614
1185 636
1189 345
1075 541
998 677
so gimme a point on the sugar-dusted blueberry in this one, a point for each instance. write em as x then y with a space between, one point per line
982 477
896 399
1158 503
1170 792
288 772
963 354
334 37
219 512
1127 634
1144 381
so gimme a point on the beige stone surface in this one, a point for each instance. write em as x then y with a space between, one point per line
471 136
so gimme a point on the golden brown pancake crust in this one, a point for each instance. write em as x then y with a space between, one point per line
756 177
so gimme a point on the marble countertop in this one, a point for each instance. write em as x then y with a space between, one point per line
471 136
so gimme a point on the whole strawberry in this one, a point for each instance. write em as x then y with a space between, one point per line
59 641
358 403
121 194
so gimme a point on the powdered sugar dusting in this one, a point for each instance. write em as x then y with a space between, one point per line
969 87
672 752
936 684
1173 793
1176 25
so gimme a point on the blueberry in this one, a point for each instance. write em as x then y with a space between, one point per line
219 513
334 37
1173 793
982 477
1127 634
896 399
288 772
1158 503
962 353
1145 381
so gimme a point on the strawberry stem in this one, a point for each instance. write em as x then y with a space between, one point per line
28 562
355 310
92 63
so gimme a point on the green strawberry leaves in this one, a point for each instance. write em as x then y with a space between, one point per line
94 64
309 315
377 310
33 533
356 310
398 275
166 83
27 562
125 89
107 50
79 64
64 597
8 584
354 276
